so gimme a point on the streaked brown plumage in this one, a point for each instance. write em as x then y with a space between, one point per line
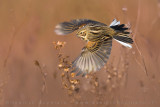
99 38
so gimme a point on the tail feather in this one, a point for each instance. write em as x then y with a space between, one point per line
124 39
124 44
122 35
121 28
114 23
118 27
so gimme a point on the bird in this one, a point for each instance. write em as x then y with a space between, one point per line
98 37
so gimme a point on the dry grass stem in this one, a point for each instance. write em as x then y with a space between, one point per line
44 86
69 82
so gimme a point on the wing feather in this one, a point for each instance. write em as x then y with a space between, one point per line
69 27
93 56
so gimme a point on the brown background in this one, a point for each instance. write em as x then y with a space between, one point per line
27 33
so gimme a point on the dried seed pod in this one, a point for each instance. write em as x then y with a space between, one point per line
72 81
72 87
36 63
70 92
96 84
109 76
62 75
77 90
60 65
73 75
66 69
76 81
66 86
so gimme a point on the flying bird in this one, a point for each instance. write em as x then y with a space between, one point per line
98 37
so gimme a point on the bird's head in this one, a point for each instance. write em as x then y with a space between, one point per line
82 33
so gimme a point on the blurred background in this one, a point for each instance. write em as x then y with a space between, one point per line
27 33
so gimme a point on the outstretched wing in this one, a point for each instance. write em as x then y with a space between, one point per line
69 27
93 57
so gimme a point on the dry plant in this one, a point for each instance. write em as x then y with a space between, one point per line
102 89
44 86
142 65
134 34
69 82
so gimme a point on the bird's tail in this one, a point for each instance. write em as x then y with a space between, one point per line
123 39
122 35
